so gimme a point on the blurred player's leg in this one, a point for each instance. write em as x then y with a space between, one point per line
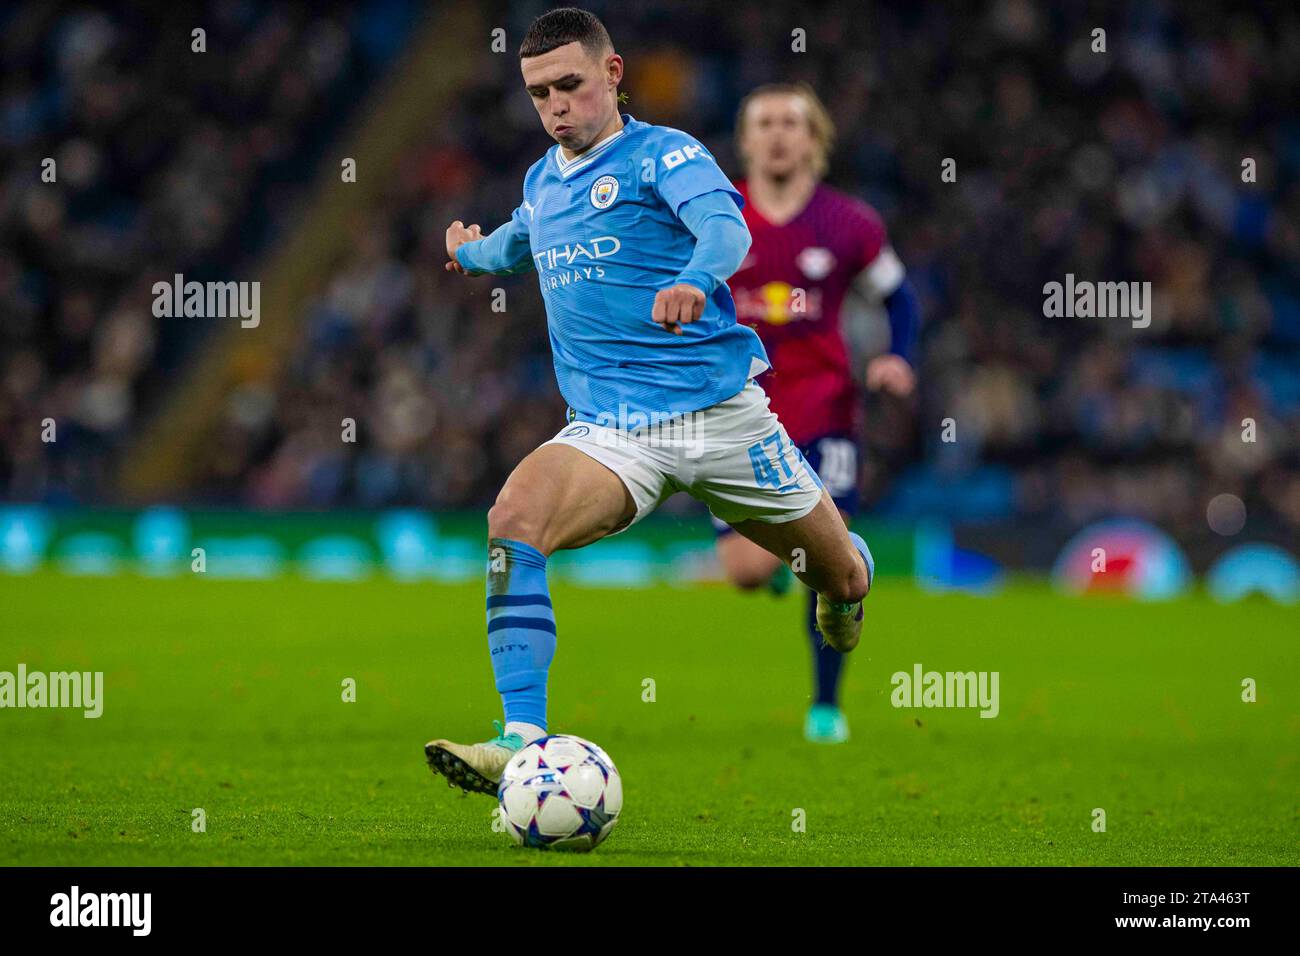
557 498
835 459
749 566
746 565
825 722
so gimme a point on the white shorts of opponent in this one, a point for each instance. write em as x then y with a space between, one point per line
734 456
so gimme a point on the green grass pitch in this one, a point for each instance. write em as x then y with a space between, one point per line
227 696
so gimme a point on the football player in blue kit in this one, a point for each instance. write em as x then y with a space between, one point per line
632 230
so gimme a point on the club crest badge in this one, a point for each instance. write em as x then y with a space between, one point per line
816 263
604 191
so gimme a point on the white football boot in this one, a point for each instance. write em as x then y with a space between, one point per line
475 768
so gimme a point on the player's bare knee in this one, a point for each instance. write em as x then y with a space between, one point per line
861 585
849 587
510 517
859 580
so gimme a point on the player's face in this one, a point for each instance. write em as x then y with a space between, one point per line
778 138
573 92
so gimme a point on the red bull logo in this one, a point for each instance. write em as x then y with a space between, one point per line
778 303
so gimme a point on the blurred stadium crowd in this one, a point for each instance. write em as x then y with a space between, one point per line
1114 167
160 170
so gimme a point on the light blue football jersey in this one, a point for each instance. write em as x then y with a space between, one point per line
601 231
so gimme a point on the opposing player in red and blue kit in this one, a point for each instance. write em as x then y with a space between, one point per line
812 248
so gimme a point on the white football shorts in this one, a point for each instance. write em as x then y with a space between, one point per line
734 456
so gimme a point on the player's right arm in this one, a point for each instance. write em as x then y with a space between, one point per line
505 252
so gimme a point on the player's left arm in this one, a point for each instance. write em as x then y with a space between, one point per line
884 280
693 186
721 241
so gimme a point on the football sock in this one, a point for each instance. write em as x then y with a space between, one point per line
827 661
528 732
521 630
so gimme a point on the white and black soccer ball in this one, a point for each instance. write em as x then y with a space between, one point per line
562 792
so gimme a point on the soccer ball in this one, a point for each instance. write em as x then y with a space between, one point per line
562 792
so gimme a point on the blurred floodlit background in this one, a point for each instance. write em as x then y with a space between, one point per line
225 165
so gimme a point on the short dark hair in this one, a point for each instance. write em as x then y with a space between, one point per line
566 25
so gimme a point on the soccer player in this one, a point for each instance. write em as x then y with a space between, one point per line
812 247
632 230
